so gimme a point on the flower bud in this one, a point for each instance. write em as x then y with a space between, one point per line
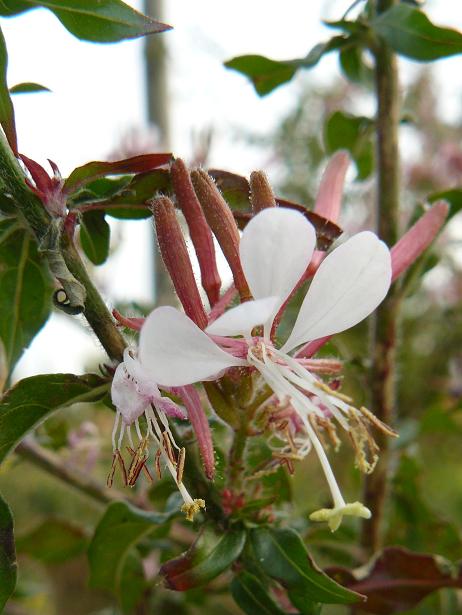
176 258
261 193
221 221
329 198
199 230
417 239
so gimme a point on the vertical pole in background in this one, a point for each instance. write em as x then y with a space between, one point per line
385 324
157 108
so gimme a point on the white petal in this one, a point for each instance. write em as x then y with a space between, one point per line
176 352
276 248
126 397
241 319
350 283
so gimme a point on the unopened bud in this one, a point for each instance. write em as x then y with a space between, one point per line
199 230
261 193
176 258
221 221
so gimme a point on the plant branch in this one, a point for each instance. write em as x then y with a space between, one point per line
69 474
16 198
385 324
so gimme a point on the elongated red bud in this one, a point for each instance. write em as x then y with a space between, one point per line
199 230
220 219
176 258
417 239
329 198
200 425
261 193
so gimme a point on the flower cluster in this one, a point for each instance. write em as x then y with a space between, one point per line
177 350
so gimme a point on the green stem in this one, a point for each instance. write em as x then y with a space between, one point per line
236 456
385 324
98 316
18 199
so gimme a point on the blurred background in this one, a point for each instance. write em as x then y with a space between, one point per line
173 93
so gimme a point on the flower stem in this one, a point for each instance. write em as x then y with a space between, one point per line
385 324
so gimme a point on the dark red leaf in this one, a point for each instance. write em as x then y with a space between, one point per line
211 554
398 579
236 190
92 170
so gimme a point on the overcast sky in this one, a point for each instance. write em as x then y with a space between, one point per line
98 94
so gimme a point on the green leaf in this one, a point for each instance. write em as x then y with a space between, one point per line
95 236
453 197
113 562
99 21
354 67
13 7
131 202
211 554
354 133
25 298
282 555
267 74
7 554
53 541
410 33
7 120
252 597
93 170
28 87
25 405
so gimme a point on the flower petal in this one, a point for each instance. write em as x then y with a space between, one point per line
349 284
126 397
276 248
241 319
176 352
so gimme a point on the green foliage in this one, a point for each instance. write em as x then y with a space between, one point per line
410 33
25 299
266 74
31 400
28 87
283 556
114 563
354 67
99 21
53 541
95 236
354 133
211 554
252 596
7 554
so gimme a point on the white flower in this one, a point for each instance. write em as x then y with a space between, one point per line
134 393
275 249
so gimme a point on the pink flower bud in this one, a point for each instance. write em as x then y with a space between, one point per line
417 239
199 230
221 221
261 193
200 424
176 258
329 199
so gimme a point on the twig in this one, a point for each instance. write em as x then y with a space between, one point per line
385 324
69 474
